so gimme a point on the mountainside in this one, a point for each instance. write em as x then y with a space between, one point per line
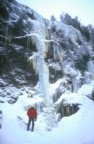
48 64
25 36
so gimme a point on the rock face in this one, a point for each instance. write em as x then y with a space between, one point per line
69 44
15 24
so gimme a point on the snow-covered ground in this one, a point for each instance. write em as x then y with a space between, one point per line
75 129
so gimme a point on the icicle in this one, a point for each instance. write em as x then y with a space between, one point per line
32 60
30 40
90 66
6 36
57 53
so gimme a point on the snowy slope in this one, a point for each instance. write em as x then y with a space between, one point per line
77 128
70 67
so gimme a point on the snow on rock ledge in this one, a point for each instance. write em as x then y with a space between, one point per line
68 104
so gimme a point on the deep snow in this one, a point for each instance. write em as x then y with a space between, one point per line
75 129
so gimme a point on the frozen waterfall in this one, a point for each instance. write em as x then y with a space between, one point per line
39 65
38 37
42 67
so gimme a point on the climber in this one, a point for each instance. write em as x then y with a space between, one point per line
32 115
46 56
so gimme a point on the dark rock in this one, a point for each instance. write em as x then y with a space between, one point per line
67 110
17 44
